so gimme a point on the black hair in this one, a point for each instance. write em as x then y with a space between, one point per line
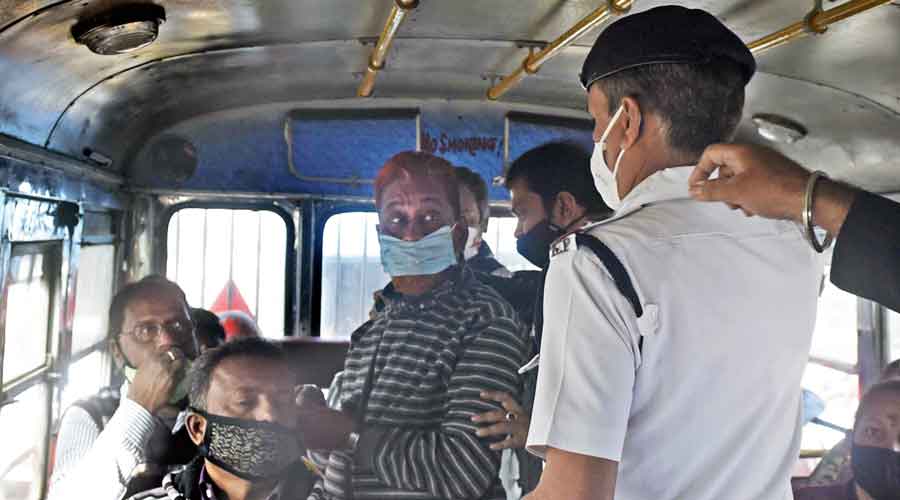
476 184
699 104
891 386
891 370
137 290
202 369
558 167
208 327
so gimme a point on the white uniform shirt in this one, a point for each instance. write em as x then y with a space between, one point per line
708 408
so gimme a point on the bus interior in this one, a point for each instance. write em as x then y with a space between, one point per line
231 146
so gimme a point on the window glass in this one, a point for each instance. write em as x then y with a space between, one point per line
892 323
500 235
94 289
23 432
27 310
352 272
832 355
86 377
836 325
228 259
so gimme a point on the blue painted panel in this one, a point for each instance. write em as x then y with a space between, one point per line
468 137
527 131
348 145
246 150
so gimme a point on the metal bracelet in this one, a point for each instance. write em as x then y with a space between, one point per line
808 225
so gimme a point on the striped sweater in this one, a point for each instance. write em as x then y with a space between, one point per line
435 355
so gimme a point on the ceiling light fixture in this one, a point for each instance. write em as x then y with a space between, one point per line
777 128
123 29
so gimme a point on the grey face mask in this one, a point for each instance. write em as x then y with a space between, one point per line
249 449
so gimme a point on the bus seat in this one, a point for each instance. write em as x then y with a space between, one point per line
314 359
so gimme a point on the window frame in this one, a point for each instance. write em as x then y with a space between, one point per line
291 244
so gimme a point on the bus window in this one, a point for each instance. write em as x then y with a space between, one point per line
500 236
892 324
24 426
29 302
830 374
351 267
231 259
31 286
94 291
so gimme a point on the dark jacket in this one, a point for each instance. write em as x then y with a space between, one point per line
866 258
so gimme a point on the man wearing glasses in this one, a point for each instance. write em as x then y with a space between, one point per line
110 444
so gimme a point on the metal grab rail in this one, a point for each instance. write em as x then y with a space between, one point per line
535 60
816 23
376 61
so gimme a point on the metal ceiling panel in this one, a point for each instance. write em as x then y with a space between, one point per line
217 55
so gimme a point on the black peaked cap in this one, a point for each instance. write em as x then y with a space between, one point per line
667 34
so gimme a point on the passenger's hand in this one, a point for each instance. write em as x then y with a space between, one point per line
324 428
512 421
157 379
757 180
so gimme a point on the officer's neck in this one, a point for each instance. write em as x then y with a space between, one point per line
861 494
648 159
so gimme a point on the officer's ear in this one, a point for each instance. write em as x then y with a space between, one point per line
632 118
566 210
196 427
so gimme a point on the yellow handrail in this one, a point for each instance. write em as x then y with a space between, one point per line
398 13
531 64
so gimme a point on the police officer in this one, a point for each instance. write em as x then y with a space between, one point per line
675 332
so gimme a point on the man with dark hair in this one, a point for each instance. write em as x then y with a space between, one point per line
109 445
552 193
875 462
210 332
476 212
238 324
415 371
640 309
243 419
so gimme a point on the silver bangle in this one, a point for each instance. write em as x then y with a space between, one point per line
808 226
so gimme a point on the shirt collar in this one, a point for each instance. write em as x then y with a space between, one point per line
665 185
209 491
459 275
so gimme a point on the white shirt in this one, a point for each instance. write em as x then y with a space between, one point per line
708 408
97 464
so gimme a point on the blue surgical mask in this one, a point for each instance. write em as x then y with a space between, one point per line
429 255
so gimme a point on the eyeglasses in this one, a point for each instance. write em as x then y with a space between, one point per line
150 331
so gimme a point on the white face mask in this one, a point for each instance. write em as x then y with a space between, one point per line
471 249
605 177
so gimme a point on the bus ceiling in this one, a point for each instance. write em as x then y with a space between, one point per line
220 89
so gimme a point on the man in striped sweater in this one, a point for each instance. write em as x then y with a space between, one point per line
415 372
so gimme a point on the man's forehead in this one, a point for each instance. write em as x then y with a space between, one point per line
157 301
417 189
882 404
250 372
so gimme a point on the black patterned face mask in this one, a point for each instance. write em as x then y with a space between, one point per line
249 449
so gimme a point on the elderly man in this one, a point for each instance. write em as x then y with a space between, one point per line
243 418
675 332
107 445
415 372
